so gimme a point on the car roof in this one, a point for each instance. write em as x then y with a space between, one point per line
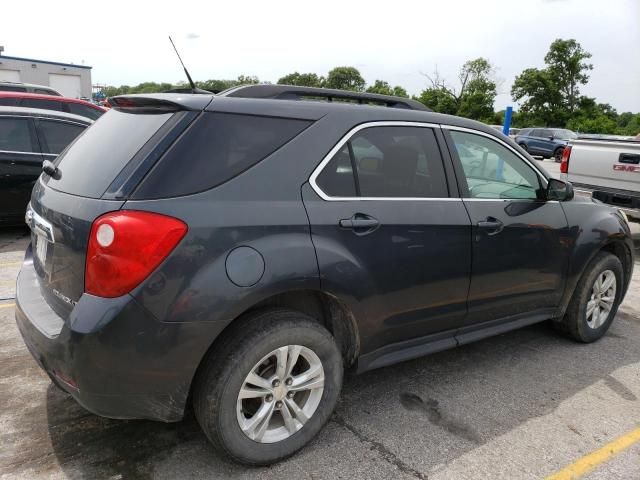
55 98
34 85
303 109
41 113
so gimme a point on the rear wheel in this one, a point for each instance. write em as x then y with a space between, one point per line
557 154
524 147
596 299
270 388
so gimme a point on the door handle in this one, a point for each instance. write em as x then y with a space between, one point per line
360 223
491 225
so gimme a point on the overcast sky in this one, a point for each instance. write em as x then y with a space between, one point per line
126 42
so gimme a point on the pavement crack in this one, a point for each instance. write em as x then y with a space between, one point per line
387 455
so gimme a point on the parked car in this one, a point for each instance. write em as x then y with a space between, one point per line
51 102
545 142
242 249
28 136
6 86
608 169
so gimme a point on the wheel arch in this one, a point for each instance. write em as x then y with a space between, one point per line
321 306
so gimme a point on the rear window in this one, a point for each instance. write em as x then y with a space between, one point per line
93 161
216 148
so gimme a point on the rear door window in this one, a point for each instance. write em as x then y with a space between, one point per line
390 162
41 103
55 135
9 102
216 148
15 135
96 157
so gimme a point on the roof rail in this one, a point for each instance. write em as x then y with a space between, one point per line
291 92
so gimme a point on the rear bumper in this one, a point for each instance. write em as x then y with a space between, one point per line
112 355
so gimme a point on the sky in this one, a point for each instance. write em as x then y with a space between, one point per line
396 41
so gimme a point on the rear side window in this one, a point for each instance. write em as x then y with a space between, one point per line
55 136
84 110
15 135
216 148
536 132
390 162
44 91
41 103
97 157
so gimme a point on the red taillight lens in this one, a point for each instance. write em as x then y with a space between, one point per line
564 164
125 247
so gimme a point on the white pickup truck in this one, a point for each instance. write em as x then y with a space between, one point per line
608 169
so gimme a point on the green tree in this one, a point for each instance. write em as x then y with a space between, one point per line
345 78
473 98
302 79
551 96
566 65
383 88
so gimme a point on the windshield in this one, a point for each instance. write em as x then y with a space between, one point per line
564 134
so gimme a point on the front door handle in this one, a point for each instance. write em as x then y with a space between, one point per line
491 226
360 223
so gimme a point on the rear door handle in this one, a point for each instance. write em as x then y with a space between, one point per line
360 223
491 226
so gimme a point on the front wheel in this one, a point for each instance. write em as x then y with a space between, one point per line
270 388
595 300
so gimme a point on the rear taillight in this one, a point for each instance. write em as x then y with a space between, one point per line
564 164
125 247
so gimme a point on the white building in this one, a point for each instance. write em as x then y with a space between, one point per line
70 80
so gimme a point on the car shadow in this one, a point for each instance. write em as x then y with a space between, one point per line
439 407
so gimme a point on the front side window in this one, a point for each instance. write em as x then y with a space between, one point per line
390 162
57 135
15 135
493 171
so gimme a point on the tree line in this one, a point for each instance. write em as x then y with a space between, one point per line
548 97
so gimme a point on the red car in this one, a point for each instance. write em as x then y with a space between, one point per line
51 102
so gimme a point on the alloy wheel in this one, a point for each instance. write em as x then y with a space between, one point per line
603 295
280 394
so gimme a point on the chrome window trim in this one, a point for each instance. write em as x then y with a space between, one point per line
39 117
388 123
503 143
18 152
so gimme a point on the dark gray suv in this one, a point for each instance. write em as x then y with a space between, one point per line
241 250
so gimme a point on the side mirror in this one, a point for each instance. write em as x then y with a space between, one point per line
551 137
559 190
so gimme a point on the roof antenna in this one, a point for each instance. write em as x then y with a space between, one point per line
193 85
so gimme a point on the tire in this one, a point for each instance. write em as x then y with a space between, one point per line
524 147
225 371
557 154
576 323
